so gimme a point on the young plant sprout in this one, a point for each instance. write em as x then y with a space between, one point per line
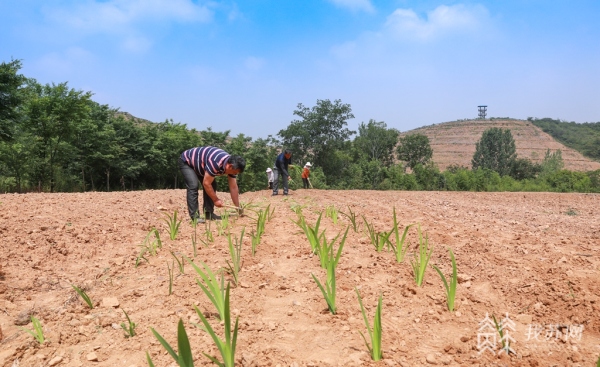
211 287
352 217
419 264
130 327
84 296
329 289
374 333
184 358
235 251
450 287
37 332
226 347
172 224
400 249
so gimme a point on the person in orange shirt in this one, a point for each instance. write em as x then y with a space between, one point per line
305 174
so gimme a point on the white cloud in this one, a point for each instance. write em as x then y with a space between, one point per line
405 23
355 5
116 15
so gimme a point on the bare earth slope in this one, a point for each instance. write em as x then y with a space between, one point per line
453 143
531 256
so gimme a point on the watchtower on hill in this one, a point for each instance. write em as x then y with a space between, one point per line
482 112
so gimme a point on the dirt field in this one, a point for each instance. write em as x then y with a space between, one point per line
530 256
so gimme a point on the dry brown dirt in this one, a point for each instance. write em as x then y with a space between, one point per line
453 143
531 256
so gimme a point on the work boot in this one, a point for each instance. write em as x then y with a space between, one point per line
212 216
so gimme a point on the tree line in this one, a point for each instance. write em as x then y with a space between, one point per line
54 138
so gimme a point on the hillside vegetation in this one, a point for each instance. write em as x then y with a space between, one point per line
453 143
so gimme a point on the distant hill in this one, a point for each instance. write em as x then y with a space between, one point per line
453 143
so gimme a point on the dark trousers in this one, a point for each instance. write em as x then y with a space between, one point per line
193 183
284 180
305 182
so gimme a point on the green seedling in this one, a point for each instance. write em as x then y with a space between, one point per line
378 239
84 296
208 234
223 224
270 212
172 224
352 217
226 347
129 328
211 287
194 245
235 251
37 332
450 287
419 264
375 333
332 212
180 263
598 363
171 268
260 229
297 208
184 358
500 329
400 249
329 289
312 233
150 245
325 250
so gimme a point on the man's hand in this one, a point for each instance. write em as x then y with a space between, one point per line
241 212
219 203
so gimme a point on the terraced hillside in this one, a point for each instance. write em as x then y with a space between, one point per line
453 143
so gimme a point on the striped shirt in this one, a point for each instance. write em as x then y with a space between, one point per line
209 160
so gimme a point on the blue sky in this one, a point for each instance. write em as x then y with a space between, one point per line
244 66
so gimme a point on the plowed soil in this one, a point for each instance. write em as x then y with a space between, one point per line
528 258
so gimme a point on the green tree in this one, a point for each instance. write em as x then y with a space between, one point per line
495 150
53 114
320 131
523 168
10 97
414 149
552 162
376 141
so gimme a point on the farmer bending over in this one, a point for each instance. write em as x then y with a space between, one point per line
203 164
282 164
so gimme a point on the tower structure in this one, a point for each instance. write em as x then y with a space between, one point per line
482 112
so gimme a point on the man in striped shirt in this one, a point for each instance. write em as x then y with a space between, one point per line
203 164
